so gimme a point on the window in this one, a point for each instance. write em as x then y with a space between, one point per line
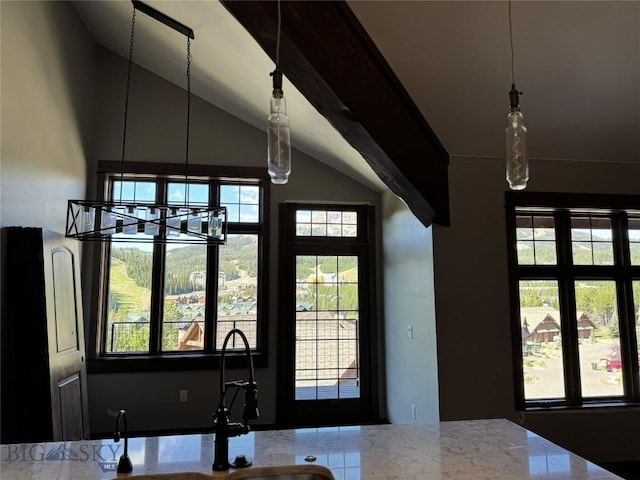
575 298
326 374
169 301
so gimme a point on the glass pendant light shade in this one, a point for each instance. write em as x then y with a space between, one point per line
194 222
278 141
215 224
173 221
516 142
130 221
88 219
108 222
152 225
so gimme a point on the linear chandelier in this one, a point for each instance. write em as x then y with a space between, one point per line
125 221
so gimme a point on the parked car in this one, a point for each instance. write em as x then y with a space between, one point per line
614 365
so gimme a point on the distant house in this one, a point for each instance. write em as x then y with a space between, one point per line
546 331
545 326
539 324
585 326
193 338
198 279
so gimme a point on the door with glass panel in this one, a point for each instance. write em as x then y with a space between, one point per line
326 338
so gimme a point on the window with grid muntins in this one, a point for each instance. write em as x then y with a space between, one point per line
575 298
179 298
327 328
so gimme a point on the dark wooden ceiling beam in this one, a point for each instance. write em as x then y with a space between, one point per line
326 53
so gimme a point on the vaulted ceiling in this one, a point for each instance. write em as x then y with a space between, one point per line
577 62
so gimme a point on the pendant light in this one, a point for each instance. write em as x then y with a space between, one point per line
516 132
124 221
278 132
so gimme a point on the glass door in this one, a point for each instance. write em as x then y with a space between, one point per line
325 341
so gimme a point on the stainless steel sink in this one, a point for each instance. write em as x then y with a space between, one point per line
168 476
278 472
283 472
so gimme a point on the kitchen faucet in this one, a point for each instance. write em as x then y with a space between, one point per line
124 465
223 428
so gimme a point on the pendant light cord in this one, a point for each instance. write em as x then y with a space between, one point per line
126 99
513 77
126 109
278 37
186 155
277 74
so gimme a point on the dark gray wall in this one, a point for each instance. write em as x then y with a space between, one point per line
48 78
156 132
472 304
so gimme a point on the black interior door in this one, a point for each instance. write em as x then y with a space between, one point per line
44 394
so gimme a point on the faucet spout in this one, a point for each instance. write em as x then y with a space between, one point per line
124 464
224 429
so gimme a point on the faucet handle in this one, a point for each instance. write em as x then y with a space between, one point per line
250 402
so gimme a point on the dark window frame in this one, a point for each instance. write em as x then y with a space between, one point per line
100 362
346 411
562 206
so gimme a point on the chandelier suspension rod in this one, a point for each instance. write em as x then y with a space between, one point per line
161 17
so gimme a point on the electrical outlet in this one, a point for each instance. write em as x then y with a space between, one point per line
184 395
410 331
413 411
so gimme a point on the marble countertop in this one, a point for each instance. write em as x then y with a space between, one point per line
475 449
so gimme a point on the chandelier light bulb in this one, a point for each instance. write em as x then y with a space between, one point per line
88 219
215 225
516 145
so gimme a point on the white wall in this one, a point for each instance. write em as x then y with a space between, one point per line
472 304
48 74
156 132
411 363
